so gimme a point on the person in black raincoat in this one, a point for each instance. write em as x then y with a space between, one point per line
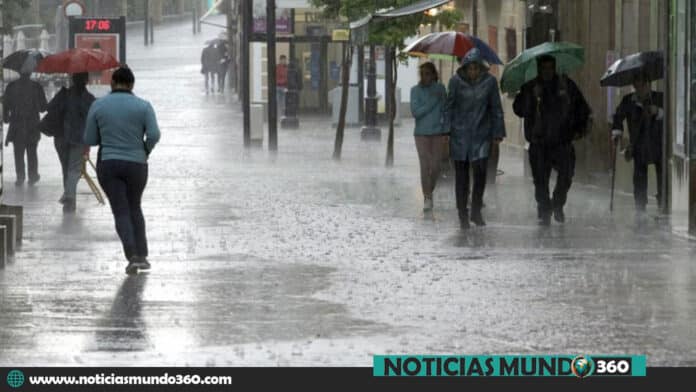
223 65
555 113
72 106
23 102
210 66
642 111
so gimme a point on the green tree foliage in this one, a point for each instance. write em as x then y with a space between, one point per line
386 32
12 13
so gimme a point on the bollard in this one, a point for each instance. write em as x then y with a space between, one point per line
10 223
3 247
18 212
43 40
256 120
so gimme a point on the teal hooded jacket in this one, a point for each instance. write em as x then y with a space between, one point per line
427 107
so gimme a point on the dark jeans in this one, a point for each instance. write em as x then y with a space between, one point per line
32 161
124 183
640 183
542 160
461 168
222 75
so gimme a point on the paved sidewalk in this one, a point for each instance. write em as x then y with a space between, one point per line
293 259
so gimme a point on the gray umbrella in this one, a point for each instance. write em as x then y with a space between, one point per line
25 60
623 71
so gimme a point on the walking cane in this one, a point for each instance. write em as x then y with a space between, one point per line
613 174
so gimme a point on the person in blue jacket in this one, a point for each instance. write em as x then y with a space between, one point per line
427 105
474 115
125 129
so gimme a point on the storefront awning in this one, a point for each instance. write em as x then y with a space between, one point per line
415 8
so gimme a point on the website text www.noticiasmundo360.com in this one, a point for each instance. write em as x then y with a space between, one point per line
113 379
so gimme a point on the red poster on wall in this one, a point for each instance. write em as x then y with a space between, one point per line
106 42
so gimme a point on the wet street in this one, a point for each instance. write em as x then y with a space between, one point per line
293 259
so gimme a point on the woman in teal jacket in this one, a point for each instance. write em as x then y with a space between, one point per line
474 114
427 105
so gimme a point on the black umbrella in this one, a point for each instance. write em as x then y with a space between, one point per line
25 60
623 71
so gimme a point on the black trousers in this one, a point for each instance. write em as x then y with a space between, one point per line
640 183
461 168
124 183
32 165
543 159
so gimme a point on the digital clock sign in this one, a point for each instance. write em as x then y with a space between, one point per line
97 25
103 33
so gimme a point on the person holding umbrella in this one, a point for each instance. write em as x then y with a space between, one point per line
69 108
642 111
474 116
555 113
72 105
23 101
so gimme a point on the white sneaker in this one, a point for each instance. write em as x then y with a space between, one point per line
428 204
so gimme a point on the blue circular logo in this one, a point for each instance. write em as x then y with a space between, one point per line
581 366
15 378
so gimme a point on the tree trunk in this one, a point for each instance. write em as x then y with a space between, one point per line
345 87
392 111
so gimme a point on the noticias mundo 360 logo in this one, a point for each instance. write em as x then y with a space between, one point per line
580 366
15 378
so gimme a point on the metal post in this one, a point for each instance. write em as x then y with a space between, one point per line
198 21
361 82
244 70
271 61
232 39
388 85
370 130
289 119
667 124
194 12
147 22
152 31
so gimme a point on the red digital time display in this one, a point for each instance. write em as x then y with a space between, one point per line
97 25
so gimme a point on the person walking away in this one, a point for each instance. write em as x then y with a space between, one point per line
74 103
23 101
643 112
474 114
427 106
125 129
281 82
210 66
223 65
555 113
